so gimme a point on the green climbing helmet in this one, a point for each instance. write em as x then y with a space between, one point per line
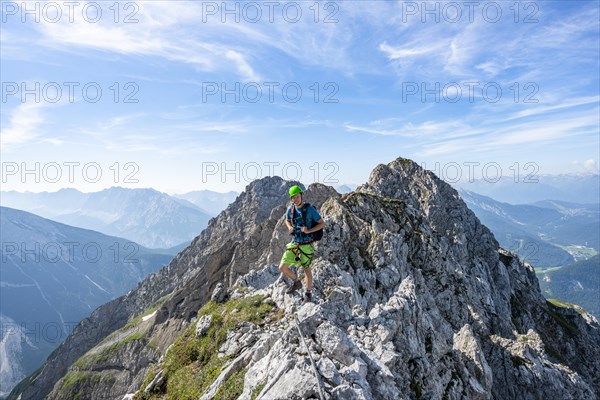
295 190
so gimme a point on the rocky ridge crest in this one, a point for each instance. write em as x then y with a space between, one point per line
414 298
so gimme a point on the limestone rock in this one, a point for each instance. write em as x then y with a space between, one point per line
219 295
414 299
203 325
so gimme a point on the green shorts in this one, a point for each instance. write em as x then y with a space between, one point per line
305 252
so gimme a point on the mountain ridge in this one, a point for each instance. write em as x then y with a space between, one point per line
584 188
578 283
52 275
146 216
540 231
413 293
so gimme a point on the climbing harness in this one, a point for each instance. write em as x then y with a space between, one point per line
298 252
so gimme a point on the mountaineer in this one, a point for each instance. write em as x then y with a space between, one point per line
306 225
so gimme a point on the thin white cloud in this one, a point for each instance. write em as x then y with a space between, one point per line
586 166
121 120
590 165
183 32
426 129
542 52
395 53
543 109
131 134
464 49
210 126
548 131
242 65
23 126
165 29
130 41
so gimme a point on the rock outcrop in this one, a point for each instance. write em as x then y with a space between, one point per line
414 299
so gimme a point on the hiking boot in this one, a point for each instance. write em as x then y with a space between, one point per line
307 297
294 286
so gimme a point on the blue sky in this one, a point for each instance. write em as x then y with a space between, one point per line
394 79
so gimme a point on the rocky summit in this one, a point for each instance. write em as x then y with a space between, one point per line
413 299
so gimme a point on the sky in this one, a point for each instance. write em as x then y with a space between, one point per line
182 96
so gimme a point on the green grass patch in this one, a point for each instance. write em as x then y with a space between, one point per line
256 391
559 303
182 385
150 375
88 360
136 320
568 326
192 364
153 307
72 382
564 304
544 270
135 336
233 387
578 251
24 384
153 344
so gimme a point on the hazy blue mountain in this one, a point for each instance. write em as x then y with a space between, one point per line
584 223
578 283
536 232
346 188
577 188
174 250
211 202
569 207
46 204
51 276
145 216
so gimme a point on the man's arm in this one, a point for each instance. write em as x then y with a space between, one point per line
315 217
288 220
289 225
320 224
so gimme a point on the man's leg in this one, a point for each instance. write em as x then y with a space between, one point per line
308 274
288 272
286 260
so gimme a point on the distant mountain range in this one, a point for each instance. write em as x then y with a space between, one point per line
51 276
145 216
524 188
215 202
413 299
210 202
578 283
546 234
346 188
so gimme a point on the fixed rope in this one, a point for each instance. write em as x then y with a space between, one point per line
312 362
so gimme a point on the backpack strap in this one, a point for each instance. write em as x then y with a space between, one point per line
293 208
304 211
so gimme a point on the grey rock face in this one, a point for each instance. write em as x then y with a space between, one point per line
414 299
203 325
219 295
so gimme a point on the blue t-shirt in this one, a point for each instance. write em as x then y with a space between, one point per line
312 217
